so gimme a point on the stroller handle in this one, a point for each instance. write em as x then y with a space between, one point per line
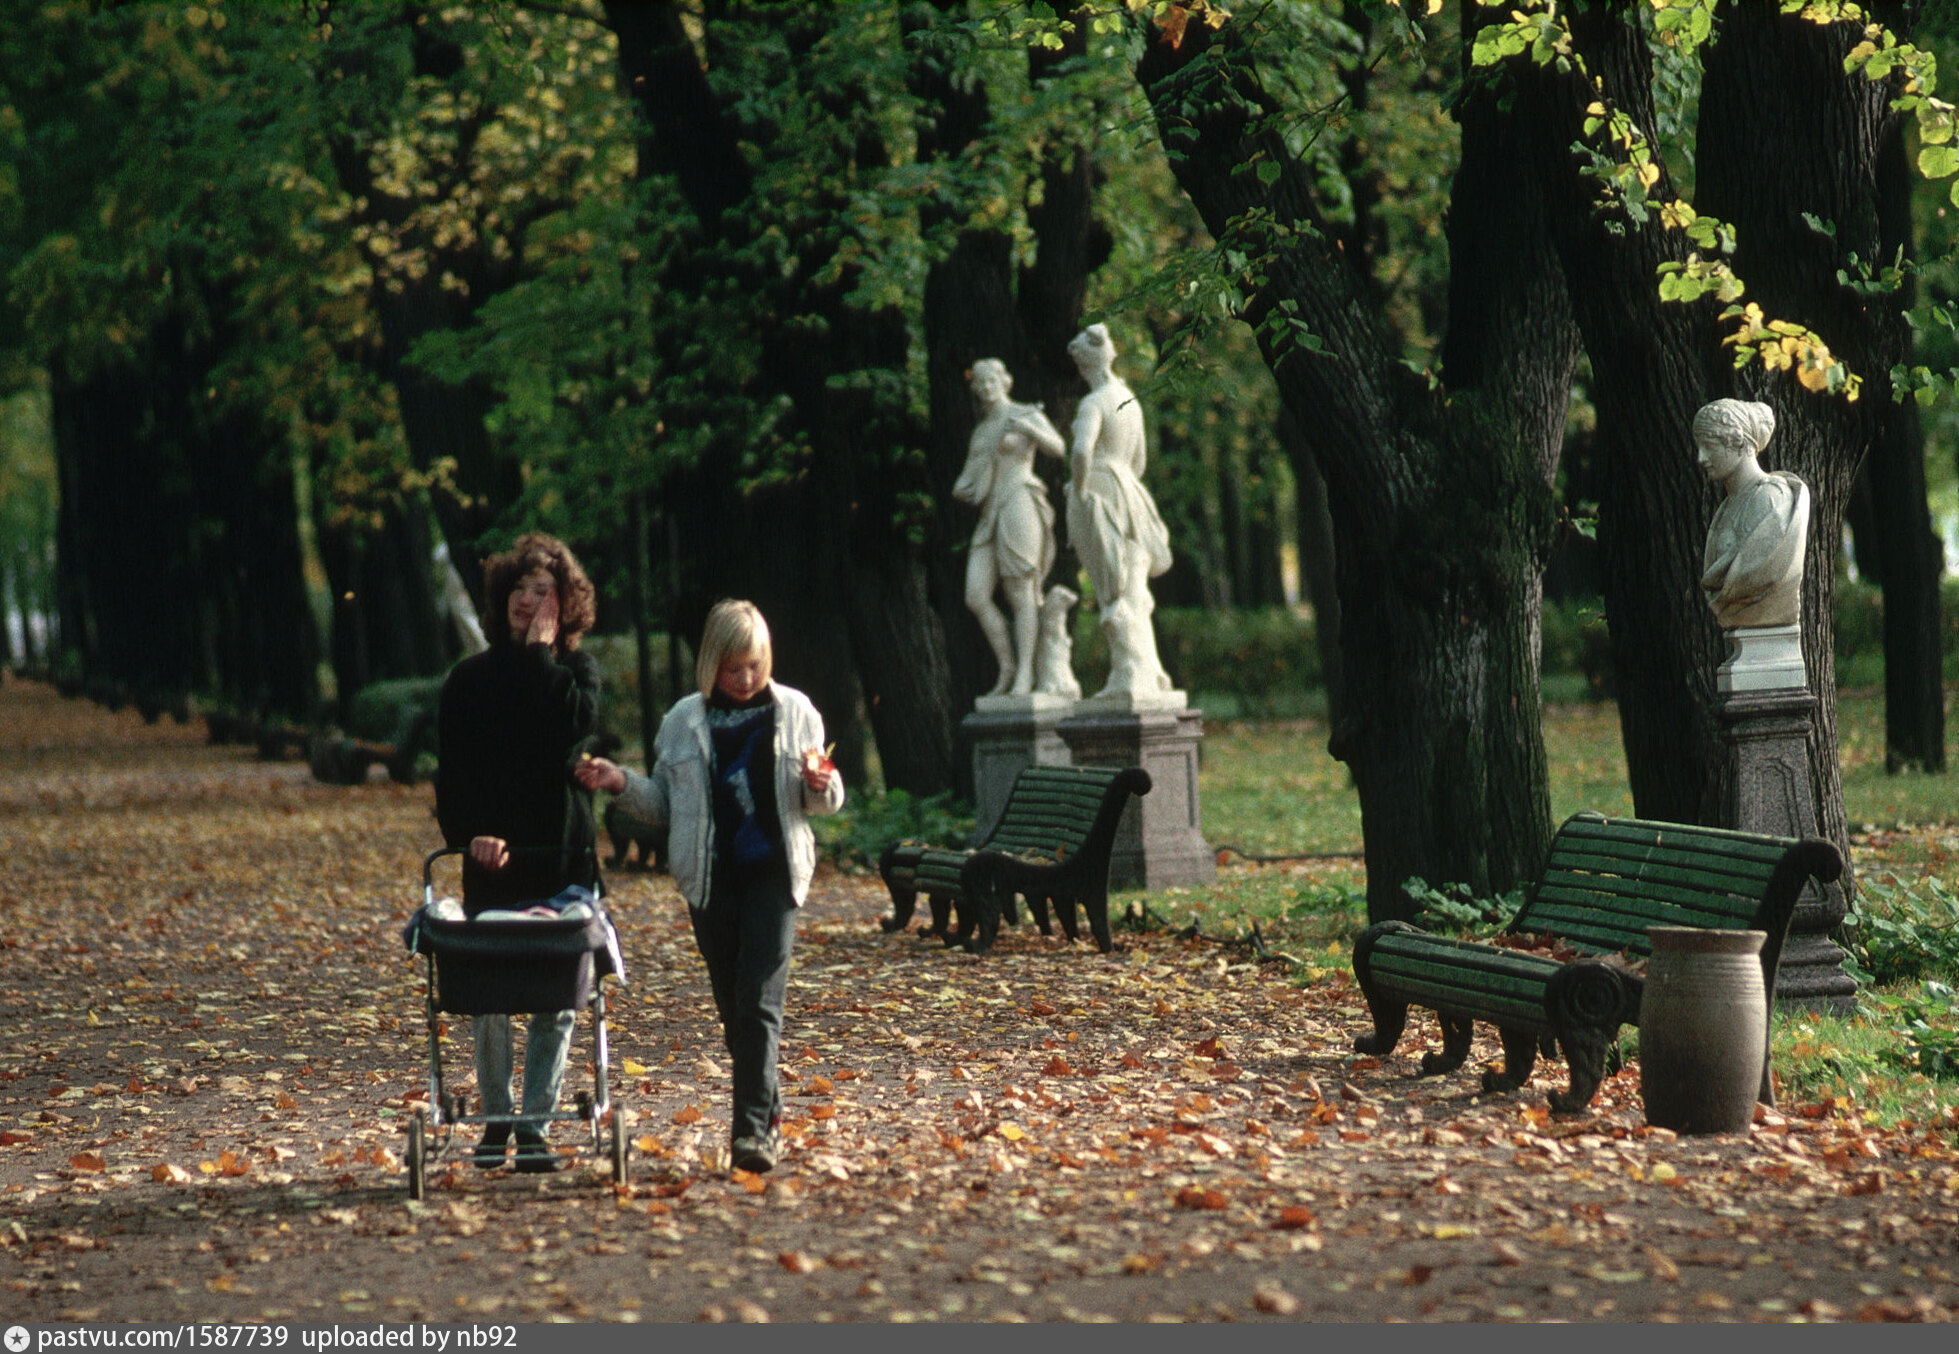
428 861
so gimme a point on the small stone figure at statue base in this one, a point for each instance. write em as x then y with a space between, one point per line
1054 647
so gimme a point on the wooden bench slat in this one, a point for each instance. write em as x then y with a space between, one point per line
1730 911
1038 809
1608 933
1486 980
1685 875
1071 775
1671 909
1066 825
1595 891
1665 871
1713 866
1056 811
1468 953
1701 840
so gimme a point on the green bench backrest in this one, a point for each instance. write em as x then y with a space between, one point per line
1050 809
1608 879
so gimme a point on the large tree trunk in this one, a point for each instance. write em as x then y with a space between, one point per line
1896 541
1441 504
1313 531
1898 547
859 573
1653 366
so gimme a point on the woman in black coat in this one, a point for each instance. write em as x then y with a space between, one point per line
513 723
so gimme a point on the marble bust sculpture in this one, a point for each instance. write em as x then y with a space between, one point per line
1752 570
1012 548
1112 520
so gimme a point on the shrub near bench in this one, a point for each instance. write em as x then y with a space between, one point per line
1605 882
1052 843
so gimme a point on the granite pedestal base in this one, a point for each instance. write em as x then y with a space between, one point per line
1767 732
1159 842
1009 734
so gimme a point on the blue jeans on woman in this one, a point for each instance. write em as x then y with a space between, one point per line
545 1052
745 934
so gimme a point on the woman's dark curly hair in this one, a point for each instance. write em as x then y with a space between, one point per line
531 551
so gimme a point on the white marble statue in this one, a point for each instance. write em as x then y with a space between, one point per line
1113 522
1752 571
1013 546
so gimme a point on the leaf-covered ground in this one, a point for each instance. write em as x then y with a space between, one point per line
214 1040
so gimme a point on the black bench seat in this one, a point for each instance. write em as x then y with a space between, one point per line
1605 882
1052 844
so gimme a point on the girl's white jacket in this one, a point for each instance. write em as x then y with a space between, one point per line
677 793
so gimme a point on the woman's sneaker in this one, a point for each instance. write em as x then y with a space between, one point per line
754 1153
534 1154
488 1155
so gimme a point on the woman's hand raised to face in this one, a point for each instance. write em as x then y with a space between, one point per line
597 773
544 622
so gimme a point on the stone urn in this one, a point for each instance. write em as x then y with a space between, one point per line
1703 1029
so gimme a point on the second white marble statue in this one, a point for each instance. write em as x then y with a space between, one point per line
1112 520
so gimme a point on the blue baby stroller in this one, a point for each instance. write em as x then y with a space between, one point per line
513 965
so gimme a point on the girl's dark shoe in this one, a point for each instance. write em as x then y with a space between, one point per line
534 1154
489 1150
755 1153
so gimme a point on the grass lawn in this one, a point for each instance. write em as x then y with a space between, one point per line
1272 789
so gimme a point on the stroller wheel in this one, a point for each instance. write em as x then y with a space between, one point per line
418 1156
619 1146
584 1103
451 1108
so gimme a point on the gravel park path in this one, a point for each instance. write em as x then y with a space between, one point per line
215 1041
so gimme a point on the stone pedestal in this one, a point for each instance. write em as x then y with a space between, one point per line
1762 658
1159 842
1009 734
1767 731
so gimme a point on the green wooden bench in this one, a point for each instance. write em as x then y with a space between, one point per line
1052 844
1605 882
